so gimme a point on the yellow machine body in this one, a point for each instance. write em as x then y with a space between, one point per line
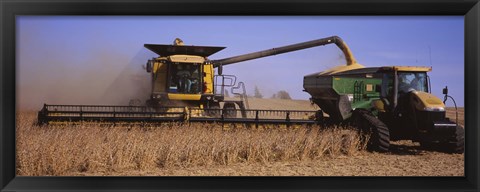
160 76
427 102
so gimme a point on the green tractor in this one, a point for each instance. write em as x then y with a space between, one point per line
389 103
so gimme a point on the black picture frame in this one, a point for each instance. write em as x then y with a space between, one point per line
470 9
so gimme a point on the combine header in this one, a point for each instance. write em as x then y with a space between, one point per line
388 103
144 114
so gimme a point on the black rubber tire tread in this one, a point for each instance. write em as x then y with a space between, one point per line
427 145
229 110
456 144
216 109
379 133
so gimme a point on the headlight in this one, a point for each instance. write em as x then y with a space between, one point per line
434 109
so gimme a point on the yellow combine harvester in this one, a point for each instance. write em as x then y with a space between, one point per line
389 103
185 87
183 76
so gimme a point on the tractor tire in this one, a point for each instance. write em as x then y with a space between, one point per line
457 141
229 110
377 130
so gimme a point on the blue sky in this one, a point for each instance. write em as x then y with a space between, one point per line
91 60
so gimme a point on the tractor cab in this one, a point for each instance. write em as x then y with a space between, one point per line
412 81
400 81
409 107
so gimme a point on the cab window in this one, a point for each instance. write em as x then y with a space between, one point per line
184 78
409 81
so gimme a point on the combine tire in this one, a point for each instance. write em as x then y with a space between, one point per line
229 110
377 130
214 110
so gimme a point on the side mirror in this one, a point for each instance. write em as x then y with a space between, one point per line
445 90
149 65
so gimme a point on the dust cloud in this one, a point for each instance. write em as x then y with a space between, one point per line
102 78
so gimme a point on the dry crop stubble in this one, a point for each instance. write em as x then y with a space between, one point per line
106 149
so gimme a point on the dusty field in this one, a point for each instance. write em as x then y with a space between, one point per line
405 160
209 150
414 163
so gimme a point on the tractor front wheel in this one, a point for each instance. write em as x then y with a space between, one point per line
456 143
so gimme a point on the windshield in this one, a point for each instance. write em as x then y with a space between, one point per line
408 81
185 78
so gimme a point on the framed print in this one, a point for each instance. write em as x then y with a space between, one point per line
187 96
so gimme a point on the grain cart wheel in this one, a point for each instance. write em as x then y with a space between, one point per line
379 134
229 110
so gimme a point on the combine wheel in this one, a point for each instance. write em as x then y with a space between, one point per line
377 130
229 110
214 109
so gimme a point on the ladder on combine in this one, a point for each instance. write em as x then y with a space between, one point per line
224 82
357 91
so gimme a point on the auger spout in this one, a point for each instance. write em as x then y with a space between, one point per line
289 48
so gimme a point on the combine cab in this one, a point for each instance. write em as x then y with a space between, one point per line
388 103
